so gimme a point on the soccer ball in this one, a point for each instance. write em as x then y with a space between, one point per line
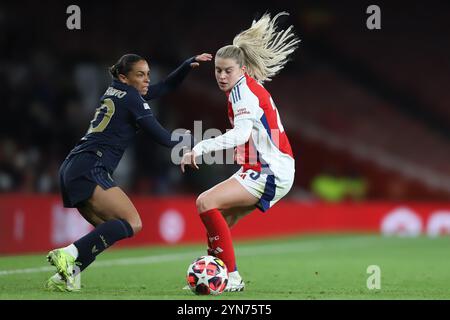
207 275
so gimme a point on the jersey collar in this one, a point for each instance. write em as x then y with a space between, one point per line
120 85
123 86
239 81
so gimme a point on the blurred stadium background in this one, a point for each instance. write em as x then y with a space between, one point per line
367 113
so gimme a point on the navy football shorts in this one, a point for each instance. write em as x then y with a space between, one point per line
79 174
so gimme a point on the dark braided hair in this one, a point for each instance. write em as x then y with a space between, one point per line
124 65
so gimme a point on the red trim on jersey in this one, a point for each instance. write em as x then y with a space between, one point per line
280 139
247 162
251 157
230 114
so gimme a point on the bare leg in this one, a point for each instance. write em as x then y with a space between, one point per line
225 195
233 215
115 218
110 204
89 214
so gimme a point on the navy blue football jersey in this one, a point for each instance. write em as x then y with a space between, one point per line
121 113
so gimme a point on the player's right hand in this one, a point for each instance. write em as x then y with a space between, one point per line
189 159
201 58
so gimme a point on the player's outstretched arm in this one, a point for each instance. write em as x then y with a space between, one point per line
159 134
174 79
234 137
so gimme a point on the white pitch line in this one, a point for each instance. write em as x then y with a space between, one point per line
27 270
247 250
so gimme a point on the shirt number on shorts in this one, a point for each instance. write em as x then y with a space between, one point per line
255 175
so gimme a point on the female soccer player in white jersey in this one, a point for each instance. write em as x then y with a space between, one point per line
263 149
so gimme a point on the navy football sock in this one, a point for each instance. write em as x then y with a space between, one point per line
102 237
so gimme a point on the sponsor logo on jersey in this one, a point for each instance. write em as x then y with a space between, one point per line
241 111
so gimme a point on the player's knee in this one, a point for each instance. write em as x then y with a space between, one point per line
136 228
136 225
204 203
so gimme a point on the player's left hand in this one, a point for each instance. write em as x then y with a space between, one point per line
201 58
189 159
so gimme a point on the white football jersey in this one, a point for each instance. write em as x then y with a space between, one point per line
268 149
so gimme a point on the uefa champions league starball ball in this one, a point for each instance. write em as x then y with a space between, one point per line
207 275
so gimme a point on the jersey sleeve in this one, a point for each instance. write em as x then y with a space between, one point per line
234 137
144 118
172 81
244 103
159 134
137 106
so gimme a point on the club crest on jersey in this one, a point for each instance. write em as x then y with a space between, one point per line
146 106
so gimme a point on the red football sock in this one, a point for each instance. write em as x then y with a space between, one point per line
210 249
219 237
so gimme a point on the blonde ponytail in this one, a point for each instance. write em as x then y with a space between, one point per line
262 49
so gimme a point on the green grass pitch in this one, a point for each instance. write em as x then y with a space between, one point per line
303 267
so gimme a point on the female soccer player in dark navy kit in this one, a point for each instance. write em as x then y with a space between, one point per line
86 174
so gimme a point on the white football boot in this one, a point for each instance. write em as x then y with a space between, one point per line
235 282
